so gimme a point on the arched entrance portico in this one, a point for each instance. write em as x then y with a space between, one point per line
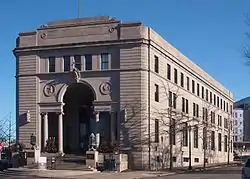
78 117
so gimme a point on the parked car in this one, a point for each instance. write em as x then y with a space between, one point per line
246 169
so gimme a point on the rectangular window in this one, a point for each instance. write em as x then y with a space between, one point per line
52 64
202 92
88 62
225 123
219 120
157 130
172 99
224 105
205 114
236 138
218 101
231 109
225 143
227 106
175 76
184 105
221 104
219 141
168 72
156 64
211 97
173 131
206 94
182 80
214 99
185 134
196 136
78 62
195 110
66 63
198 89
196 160
193 86
187 83
212 117
204 138
185 159
156 93
104 61
212 140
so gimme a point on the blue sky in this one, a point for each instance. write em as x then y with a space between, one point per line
211 33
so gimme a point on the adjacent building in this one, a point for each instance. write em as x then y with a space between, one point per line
124 83
238 125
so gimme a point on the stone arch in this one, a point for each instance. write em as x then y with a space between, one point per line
65 87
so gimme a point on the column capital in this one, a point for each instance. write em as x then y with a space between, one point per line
43 113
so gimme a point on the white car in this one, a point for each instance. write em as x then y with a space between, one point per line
246 169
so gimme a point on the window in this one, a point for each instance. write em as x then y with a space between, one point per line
202 92
168 72
219 141
66 63
185 159
231 109
219 120
78 62
204 138
184 105
193 86
236 138
196 160
212 140
225 123
225 143
88 62
227 106
206 94
236 114
156 130
175 76
173 131
218 101
224 105
52 64
221 103
205 114
182 80
187 83
104 61
195 110
185 134
212 117
211 97
235 122
172 99
214 99
198 89
156 64
156 93
196 136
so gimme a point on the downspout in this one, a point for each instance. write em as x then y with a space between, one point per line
149 103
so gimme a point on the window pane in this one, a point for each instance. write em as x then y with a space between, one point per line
52 64
88 62
66 61
104 61
78 62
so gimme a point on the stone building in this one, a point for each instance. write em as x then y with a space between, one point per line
123 82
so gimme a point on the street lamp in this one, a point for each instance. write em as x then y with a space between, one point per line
189 149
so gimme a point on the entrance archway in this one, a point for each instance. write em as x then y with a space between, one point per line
78 111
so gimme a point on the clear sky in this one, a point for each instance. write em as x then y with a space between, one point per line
211 33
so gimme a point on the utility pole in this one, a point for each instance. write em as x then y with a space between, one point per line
9 137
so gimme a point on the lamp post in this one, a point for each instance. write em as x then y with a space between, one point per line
190 149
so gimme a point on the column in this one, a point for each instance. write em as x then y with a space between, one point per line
97 120
60 133
45 128
112 127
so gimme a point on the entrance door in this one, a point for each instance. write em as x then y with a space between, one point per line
84 131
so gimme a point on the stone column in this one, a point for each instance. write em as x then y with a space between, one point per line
45 128
97 120
60 133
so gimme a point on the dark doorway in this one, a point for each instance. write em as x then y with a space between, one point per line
78 110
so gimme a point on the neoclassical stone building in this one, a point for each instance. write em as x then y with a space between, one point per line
111 78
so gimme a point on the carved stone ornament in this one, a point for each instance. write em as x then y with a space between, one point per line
43 35
111 30
105 88
49 90
76 75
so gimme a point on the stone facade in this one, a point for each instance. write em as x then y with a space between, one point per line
138 70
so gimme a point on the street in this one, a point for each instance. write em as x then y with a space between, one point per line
219 173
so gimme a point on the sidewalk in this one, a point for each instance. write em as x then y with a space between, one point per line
112 175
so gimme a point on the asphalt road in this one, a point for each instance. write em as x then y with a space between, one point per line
219 173
17 175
